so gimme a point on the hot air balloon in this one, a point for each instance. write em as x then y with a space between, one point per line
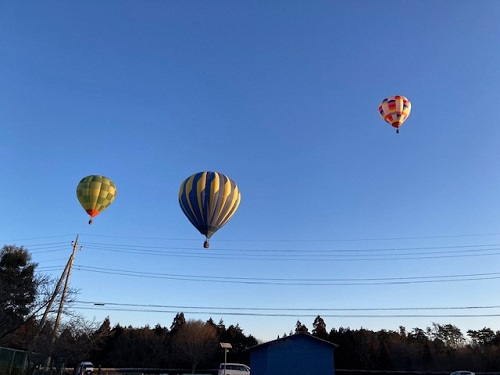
95 194
209 199
395 110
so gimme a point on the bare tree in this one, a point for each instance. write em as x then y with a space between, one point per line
78 337
195 341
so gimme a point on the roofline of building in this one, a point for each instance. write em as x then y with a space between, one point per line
307 334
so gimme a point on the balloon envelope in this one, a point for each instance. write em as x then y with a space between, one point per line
95 193
395 110
209 199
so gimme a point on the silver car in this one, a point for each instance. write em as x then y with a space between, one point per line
463 372
234 369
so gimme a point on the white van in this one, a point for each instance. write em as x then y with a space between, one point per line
234 369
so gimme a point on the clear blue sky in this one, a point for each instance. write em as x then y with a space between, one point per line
282 96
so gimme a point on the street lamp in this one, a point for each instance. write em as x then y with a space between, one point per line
225 346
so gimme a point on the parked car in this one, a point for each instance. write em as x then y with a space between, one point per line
234 369
84 368
463 372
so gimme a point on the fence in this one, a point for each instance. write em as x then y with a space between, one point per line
12 361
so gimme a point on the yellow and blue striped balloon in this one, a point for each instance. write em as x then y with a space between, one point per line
209 200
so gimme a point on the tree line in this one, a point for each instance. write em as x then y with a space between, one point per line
436 348
193 344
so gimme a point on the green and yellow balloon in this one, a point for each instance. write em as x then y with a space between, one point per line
209 200
95 193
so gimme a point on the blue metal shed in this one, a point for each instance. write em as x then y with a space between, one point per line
299 354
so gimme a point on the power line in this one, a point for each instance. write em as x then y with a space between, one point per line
291 254
361 239
36 238
221 240
309 255
364 316
247 308
296 281
274 312
418 250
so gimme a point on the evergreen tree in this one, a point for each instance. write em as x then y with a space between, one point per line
418 335
299 327
177 323
319 328
221 327
449 334
483 337
18 288
211 322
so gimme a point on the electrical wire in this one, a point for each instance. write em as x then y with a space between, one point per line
310 255
296 281
279 312
467 235
360 239
247 308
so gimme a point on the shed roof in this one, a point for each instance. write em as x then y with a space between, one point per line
293 337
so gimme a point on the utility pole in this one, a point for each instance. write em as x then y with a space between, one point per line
48 307
67 272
